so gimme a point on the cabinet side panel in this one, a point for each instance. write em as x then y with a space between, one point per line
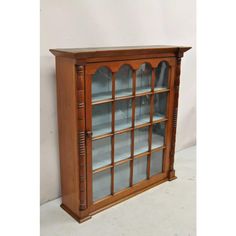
67 125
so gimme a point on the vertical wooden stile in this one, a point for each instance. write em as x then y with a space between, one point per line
133 124
113 136
151 121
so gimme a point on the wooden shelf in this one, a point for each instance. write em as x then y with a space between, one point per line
102 131
158 117
101 164
143 90
107 99
157 141
124 92
142 119
123 124
101 96
161 90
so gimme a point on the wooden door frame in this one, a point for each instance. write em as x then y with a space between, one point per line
114 66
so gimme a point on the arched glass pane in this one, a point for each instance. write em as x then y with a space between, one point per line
102 84
162 74
143 78
124 81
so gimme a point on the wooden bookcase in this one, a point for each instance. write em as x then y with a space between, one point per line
117 114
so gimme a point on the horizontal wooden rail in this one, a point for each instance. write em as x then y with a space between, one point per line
104 101
140 155
129 129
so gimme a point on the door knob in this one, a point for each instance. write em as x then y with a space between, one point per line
89 133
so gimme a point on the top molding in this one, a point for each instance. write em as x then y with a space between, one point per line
85 53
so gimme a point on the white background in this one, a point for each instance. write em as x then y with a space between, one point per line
19 120
112 23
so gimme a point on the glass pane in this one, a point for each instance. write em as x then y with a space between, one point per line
122 173
156 163
161 73
143 78
101 184
160 106
141 140
158 135
124 81
122 146
142 110
123 116
101 152
102 84
140 169
101 119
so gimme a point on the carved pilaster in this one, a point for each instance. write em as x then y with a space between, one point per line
81 137
174 122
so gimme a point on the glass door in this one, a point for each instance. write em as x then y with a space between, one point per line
128 123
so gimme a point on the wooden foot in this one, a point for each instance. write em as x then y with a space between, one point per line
172 175
80 220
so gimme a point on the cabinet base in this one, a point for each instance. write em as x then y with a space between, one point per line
169 177
172 175
65 208
95 211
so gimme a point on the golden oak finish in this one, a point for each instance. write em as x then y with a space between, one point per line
75 69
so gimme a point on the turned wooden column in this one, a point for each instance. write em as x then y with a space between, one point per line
175 114
81 138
